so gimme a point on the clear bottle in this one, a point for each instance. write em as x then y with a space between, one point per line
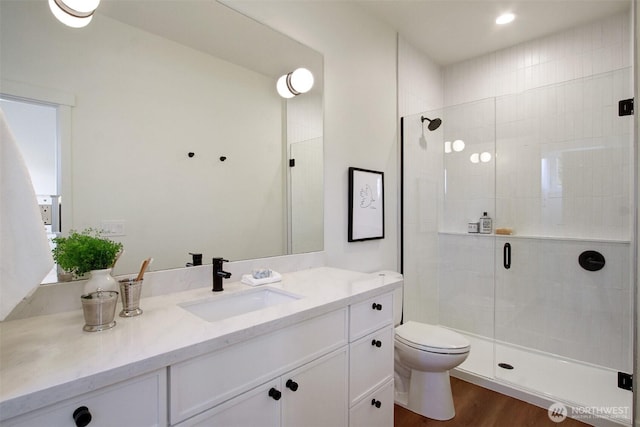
486 224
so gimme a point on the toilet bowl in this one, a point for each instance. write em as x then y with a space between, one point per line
424 354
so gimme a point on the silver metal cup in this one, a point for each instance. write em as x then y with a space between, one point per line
130 290
99 310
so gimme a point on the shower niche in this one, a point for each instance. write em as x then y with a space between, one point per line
552 166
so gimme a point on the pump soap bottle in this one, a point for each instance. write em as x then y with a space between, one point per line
486 224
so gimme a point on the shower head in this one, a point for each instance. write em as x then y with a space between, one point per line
433 124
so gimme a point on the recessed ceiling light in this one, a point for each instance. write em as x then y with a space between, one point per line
505 18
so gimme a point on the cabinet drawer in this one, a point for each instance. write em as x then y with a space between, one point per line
250 409
203 382
370 315
139 402
370 363
376 410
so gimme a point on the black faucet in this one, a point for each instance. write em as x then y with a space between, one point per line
197 260
219 274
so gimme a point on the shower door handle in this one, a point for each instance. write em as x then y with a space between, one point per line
506 256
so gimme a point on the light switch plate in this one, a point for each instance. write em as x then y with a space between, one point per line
45 211
112 228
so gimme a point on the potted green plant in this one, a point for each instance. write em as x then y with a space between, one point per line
88 252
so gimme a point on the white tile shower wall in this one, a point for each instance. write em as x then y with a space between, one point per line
545 301
548 302
564 159
469 187
466 290
583 51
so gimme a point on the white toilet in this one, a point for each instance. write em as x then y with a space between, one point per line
424 354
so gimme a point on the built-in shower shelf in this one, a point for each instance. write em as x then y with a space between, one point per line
535 237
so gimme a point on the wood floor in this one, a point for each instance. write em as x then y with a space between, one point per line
479 407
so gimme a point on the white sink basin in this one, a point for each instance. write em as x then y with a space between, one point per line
214 309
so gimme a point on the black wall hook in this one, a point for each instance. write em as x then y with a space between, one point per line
223 158
191 154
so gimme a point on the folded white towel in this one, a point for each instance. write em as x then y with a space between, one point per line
248 279
25 256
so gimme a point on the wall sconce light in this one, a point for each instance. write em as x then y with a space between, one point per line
74 13
296 82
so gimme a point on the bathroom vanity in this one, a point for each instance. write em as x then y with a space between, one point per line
322 357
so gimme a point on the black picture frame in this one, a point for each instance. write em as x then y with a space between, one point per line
366 205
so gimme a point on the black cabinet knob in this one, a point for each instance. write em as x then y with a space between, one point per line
275 394
82 416
292 385
376 343
376 306
376 403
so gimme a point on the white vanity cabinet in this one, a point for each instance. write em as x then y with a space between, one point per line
371 362
315 395
140 402
325 360
312 354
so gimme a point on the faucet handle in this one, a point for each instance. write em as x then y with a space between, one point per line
218 259
197 258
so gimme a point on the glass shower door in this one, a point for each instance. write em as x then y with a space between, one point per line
563 187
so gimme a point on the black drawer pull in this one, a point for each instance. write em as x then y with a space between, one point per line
376 403
376 306
376 343
292 385
275 394
82 416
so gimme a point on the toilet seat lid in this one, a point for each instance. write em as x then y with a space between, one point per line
431 338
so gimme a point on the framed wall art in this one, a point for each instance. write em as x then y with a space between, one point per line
366 205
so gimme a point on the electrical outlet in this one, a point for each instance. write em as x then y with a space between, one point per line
45 211
111 228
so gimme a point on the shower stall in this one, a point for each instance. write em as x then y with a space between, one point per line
546 299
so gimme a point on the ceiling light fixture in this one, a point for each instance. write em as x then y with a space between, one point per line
74 13
296 82
505 18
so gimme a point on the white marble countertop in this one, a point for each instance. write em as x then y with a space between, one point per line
46 359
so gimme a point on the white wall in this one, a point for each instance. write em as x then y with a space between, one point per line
360 125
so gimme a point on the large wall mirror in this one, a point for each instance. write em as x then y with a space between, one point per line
176 141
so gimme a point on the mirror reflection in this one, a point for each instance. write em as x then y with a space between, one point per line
171 134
